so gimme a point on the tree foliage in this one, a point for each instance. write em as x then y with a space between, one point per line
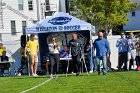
104 14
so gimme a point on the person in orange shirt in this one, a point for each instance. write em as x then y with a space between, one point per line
32 48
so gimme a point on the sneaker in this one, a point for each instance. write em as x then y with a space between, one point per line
35 75
51 76
77 74
56 75
32 74
132 67
104 74
90 71
135 67
94 71
3 75
19 74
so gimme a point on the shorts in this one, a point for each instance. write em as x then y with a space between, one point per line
33 58
132 54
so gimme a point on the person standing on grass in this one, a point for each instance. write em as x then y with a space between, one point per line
76 50
138 52
47 63
131 50
122 48
4 66
102 48
32 48
91 57
54 48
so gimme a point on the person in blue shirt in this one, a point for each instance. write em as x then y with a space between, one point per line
102 48
64 54
122 49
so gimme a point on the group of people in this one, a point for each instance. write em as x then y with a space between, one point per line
76 51
128 48
129 52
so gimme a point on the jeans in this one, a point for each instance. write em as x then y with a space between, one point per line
90 62
94 65
103 58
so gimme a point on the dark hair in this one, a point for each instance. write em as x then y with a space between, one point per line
32 35
102 30
122 32
4 52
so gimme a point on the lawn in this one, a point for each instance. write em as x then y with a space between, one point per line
114 82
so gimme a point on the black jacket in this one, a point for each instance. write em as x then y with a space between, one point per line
76 47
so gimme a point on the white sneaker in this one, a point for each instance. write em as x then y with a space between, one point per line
132 67
73 73
135 67
51 76
56 75
32 74
19 74
35 75
90 71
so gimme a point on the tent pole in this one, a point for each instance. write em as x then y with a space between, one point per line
91 47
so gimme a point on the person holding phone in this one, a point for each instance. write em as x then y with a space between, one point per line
54 48
122 49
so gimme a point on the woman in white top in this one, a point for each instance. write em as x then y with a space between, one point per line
54 48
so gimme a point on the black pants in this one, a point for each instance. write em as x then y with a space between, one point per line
54 60
122 59
77 63
64 66
24 61
138 60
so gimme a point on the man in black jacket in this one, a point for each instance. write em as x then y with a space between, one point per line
76 49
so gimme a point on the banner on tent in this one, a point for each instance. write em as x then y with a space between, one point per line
59 28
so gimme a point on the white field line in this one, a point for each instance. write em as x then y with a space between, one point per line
37 86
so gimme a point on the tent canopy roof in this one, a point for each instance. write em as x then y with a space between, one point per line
60 22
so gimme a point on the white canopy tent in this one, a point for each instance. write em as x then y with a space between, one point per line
60 22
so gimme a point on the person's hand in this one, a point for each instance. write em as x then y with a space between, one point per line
65 53
83 55
93 55
69 55
25 55
108 55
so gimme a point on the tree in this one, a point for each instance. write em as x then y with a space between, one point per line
104 14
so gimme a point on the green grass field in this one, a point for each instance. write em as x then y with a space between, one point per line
114 82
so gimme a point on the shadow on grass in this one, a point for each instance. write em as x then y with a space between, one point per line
24 77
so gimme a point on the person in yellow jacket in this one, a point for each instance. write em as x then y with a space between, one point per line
2 49
32 48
